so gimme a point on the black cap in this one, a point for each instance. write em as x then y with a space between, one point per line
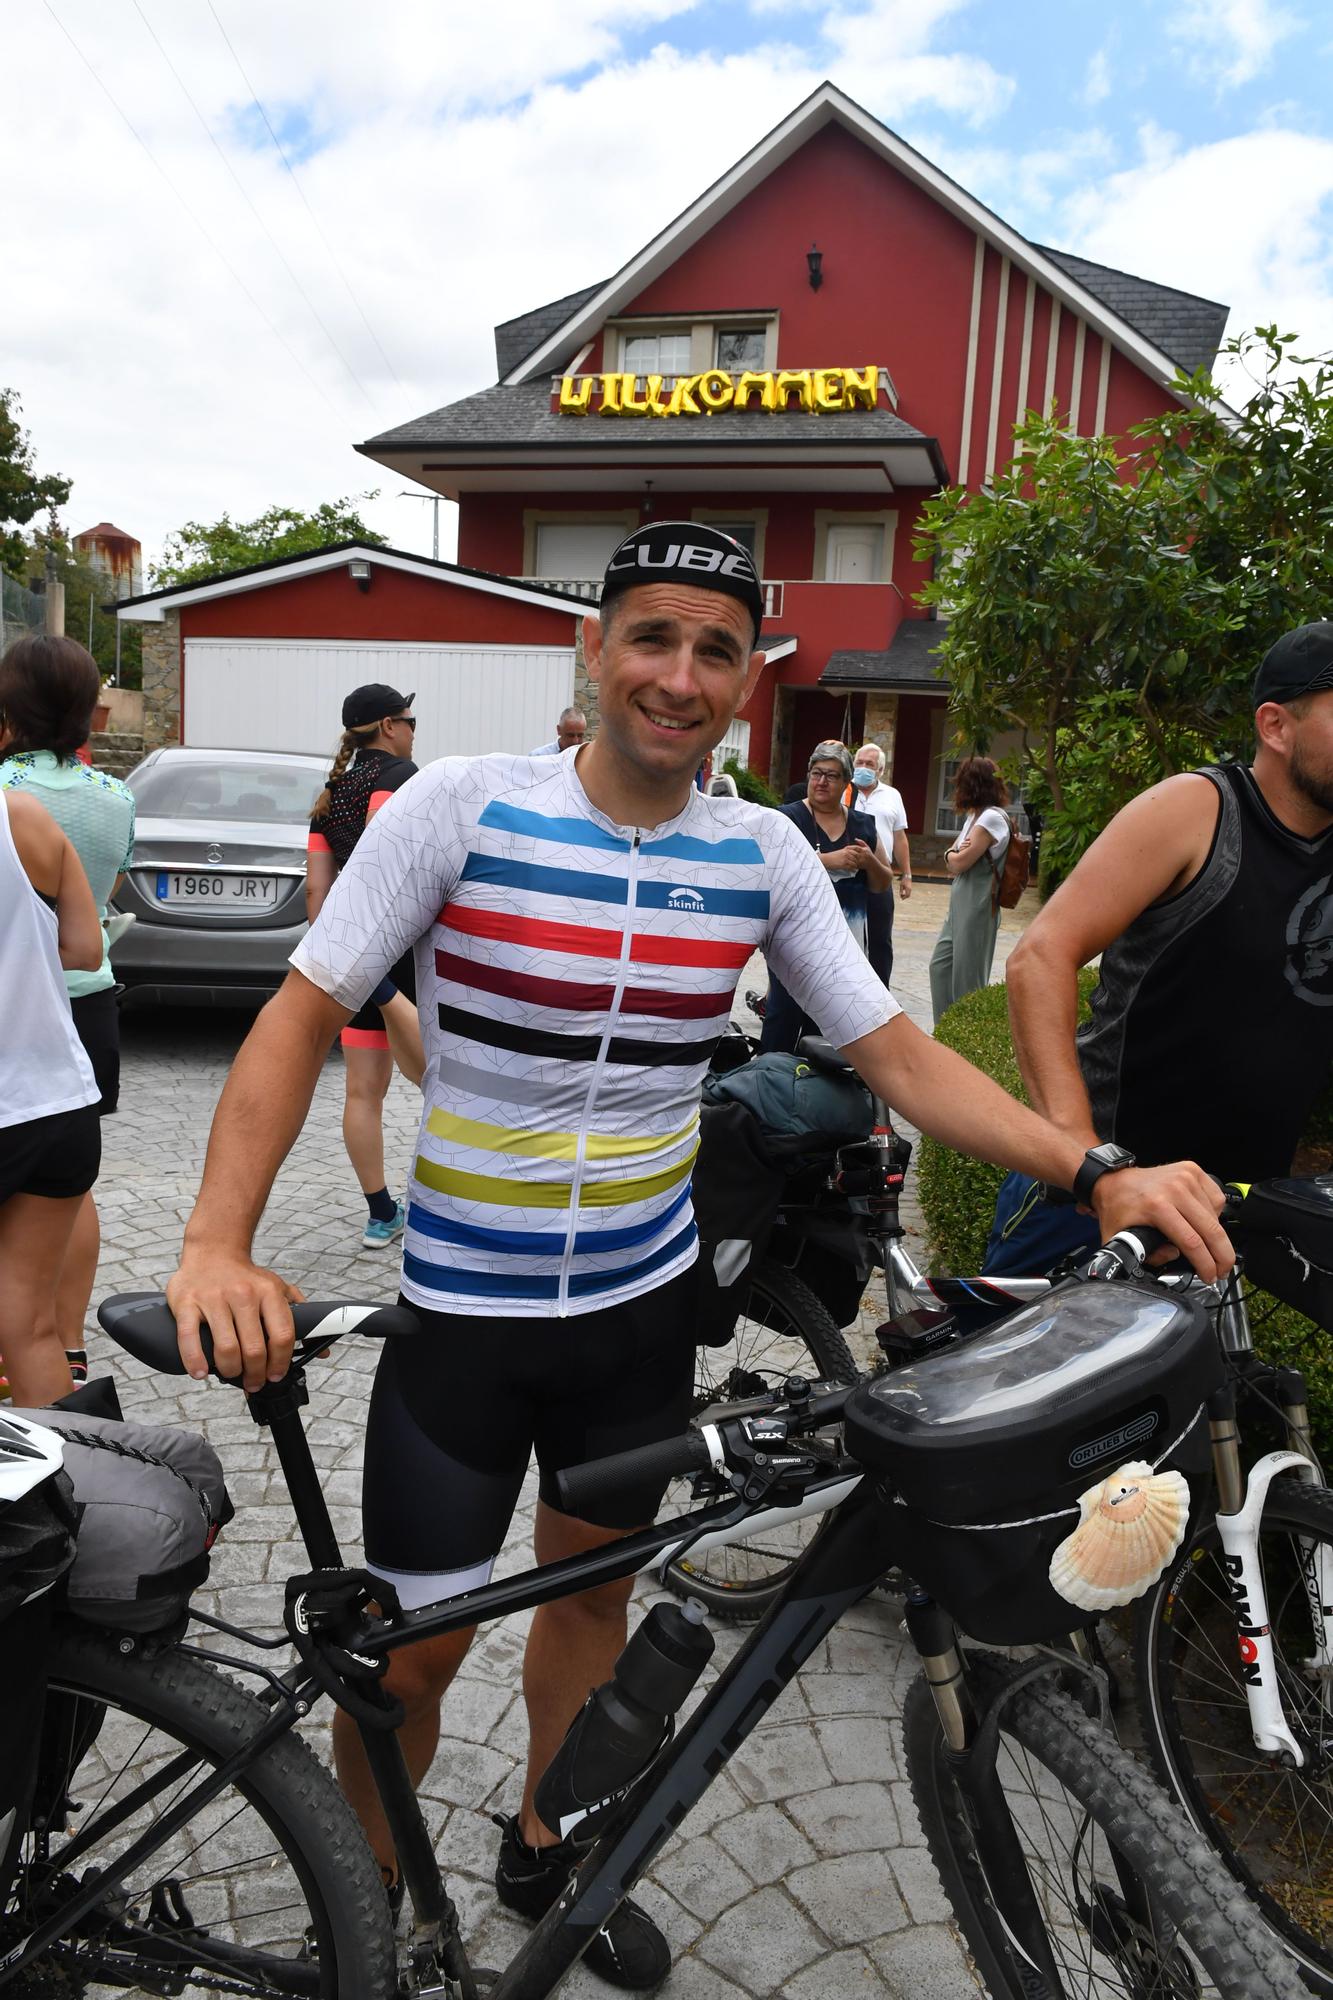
372 703
1300 662
686 552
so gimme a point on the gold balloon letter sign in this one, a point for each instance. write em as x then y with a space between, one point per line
698 395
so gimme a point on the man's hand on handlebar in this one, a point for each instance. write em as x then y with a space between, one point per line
1181 1200
246 1309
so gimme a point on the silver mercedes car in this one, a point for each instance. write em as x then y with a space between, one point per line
217 884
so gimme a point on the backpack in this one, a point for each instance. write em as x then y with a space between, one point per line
1012 875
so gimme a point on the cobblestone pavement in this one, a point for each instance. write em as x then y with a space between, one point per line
802 1871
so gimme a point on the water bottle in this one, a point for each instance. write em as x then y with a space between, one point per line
622 1725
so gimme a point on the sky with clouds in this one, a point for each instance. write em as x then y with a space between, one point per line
239 235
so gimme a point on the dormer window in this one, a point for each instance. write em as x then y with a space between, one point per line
657 353
741 347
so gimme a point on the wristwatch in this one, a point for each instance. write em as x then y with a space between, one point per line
1107 1158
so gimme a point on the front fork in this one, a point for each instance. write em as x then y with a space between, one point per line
1241 1502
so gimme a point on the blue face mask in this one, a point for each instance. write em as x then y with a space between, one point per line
863 779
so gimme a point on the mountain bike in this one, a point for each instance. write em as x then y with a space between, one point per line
1233 1646
182 1841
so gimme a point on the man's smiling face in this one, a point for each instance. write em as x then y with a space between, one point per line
672 664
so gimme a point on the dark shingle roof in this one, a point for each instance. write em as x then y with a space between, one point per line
1187 328
516 339
522 416
910 660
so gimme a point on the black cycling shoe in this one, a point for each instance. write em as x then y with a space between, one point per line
628 1951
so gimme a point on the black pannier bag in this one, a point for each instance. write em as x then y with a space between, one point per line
758 1123
36 1549
151 1500
990 1443
1284 1231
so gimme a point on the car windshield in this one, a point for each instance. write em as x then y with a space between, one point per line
193 788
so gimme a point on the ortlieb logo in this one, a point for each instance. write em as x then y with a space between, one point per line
1131 1433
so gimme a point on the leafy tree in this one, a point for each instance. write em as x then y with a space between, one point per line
202 550
1110 599
24 492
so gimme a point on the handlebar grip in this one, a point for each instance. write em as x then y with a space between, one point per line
602 1478
145 1326
1128 1249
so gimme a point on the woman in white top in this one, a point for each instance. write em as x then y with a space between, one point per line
50 1138
965 947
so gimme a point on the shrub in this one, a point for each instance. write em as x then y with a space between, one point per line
958 1199
750 785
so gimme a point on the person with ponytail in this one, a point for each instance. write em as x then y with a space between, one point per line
371 764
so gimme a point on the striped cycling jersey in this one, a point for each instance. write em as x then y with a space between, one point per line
573 977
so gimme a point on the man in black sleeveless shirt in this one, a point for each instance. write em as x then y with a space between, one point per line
1210 898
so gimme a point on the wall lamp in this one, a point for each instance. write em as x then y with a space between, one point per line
359 571
815 259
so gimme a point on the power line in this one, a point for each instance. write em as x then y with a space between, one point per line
216 248
282 155
244 193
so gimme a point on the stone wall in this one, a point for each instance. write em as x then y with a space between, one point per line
881 726
585 688
162 681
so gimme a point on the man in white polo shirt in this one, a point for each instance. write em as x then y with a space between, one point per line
885 805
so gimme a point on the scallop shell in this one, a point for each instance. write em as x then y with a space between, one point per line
1130 1527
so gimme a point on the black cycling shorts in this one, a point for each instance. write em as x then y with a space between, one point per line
56 1157
457 1411
97 1025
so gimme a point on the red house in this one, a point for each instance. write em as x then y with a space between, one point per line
830 333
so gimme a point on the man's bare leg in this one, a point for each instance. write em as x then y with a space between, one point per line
419 1676
572 1647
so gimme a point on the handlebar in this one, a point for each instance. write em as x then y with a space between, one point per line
1126 1254
145 1326
603 1478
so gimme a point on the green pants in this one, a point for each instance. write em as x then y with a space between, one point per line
961 960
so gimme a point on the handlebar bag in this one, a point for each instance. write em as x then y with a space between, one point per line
989 1444
151 1500
1284 1229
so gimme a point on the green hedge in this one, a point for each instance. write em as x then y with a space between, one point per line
958 1199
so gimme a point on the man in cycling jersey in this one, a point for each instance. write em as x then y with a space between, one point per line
1209 899
579 925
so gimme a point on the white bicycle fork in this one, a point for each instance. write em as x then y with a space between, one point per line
1239 1534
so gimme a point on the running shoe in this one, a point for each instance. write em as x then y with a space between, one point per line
376 1235
628 1951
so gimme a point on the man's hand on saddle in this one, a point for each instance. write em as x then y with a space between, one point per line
246 1309
1181 1200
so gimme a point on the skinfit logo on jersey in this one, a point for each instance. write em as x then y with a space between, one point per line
686 555
685 899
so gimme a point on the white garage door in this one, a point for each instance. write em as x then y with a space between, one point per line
286 694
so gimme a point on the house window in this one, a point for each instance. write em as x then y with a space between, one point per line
573 549
740 347
657 353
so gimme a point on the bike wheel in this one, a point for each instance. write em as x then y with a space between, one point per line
269 1889
1272 1826
782 1330
1090 1822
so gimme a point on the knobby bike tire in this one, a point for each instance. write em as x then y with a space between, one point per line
783 1330
1050 1744
310 1885
1272 1827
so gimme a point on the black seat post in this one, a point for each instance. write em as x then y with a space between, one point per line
278 1406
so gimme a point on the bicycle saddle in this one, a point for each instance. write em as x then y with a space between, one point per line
143 1324
819 1052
